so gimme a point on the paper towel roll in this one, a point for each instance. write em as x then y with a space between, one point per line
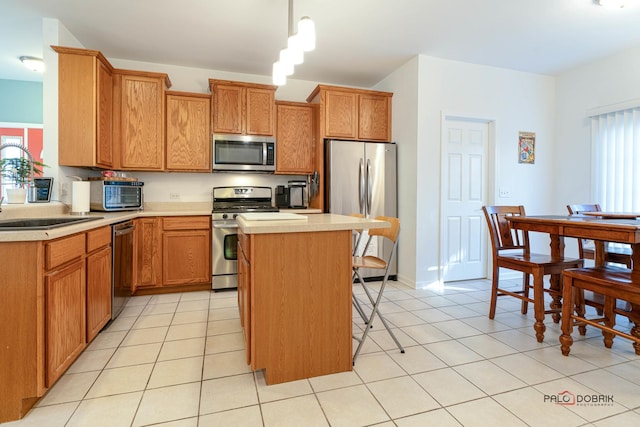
80 195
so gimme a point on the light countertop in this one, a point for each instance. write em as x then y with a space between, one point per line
56 210
313 223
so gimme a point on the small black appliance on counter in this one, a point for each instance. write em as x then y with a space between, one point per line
282 196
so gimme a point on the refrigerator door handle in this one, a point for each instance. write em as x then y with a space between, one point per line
369 186
361 188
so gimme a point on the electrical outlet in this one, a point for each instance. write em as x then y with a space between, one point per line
174 196
504 193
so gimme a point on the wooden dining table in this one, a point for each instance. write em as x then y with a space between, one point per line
601 229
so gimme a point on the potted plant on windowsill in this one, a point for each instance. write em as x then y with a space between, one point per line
19 171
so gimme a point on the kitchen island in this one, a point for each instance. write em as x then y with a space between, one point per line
294 294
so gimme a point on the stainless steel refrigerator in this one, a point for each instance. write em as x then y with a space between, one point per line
360 177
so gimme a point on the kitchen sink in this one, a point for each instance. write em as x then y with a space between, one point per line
40 223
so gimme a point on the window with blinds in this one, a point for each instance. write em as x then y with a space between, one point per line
616 160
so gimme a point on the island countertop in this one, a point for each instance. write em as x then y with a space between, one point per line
312 223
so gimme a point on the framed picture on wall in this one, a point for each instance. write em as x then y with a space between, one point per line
526 147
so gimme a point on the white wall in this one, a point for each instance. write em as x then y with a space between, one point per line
516 101
403 82
608 81
56 34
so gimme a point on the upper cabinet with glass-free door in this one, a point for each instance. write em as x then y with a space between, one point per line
188 134
242 108
349 113
139 119
85 106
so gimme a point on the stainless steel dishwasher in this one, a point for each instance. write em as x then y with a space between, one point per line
122 266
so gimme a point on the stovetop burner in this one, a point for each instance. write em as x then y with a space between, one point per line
240 209
235 200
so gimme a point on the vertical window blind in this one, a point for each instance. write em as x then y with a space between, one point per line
616 160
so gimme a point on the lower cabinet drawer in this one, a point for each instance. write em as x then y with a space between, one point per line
186 223
63 250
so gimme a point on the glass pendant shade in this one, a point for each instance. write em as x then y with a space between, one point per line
285 62
294 47
307 32
279 78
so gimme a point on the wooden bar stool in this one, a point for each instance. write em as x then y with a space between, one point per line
358 234
369 261
613 283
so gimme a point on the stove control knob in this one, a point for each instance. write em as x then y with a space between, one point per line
224 216
235 216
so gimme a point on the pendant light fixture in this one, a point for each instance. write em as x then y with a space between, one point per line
297 43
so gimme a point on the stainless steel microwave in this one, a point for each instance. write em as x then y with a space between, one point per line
116 195
244 153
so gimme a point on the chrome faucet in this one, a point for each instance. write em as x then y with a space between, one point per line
31 160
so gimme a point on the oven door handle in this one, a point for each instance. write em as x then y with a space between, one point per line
223 226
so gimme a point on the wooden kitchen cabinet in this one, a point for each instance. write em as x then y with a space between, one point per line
64 319
172 253
242 108
186 253
147 248
340 114
139 119
65 299
348 113
22 332
244 290
374 117
188 132
85 108
295 138
98 280
55 296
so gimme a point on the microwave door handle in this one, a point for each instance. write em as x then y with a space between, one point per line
264 153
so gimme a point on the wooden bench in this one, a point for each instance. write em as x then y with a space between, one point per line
613 283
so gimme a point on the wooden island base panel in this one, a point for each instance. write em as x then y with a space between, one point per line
295 296
302 304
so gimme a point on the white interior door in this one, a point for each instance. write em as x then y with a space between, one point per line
464 188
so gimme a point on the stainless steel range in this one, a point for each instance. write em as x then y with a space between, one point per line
228 202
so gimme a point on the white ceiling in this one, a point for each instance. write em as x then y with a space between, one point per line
359 42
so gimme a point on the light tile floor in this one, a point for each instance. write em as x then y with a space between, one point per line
178 360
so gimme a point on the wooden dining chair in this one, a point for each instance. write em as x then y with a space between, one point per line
613 254
586 250
510 249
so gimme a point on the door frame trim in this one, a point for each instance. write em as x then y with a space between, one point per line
491 177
